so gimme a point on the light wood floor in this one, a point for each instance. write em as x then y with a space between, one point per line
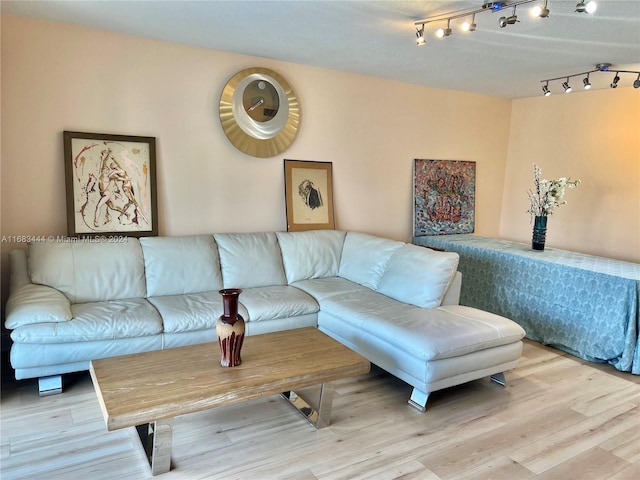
559 418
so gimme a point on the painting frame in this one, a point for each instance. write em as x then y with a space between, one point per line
443 197
308 189
111 186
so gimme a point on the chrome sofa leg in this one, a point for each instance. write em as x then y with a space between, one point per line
418 400
50 385
499 379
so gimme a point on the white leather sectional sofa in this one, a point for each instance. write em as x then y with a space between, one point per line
394 303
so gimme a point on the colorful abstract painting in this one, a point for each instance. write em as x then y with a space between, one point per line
444 197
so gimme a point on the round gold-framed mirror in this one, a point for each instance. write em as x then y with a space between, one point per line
259 112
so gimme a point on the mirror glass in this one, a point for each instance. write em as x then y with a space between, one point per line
260 100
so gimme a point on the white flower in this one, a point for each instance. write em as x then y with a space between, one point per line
548 194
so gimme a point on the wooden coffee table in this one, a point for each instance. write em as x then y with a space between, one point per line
147 390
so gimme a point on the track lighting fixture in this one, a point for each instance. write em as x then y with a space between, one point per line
444 32
504 21
616 79
600 67
420 40
470 27
541 10
586 6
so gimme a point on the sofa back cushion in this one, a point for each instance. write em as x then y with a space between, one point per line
312 254
181 265
250 260
91 270
418 275
365 257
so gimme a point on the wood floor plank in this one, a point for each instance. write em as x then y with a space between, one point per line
597 400
495 468
631 472
562 446
592 464
625 445
383 468
557 418
467 455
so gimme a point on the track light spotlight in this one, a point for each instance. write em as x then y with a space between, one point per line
470 27
616 79
636 84
586 6
420 40
504 21
566 86
587 84
542 12
545 90
444 32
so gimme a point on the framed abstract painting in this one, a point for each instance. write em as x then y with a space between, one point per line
309 195
111 184
443 197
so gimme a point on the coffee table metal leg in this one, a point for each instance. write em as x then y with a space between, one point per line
156 440
313 403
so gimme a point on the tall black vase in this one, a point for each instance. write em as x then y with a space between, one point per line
539 232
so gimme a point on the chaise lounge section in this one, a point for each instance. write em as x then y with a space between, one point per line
394 303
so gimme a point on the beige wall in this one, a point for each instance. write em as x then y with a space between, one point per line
593 136
58 77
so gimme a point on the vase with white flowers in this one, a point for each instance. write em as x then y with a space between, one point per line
544 198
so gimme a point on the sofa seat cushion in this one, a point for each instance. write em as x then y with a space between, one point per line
321 288
427 334
96 321
271 303
190 312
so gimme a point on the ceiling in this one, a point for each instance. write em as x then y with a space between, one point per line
377 38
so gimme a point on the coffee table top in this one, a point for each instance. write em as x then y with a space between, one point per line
146 387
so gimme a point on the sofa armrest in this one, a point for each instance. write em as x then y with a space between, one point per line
36 304
30 303
452 295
